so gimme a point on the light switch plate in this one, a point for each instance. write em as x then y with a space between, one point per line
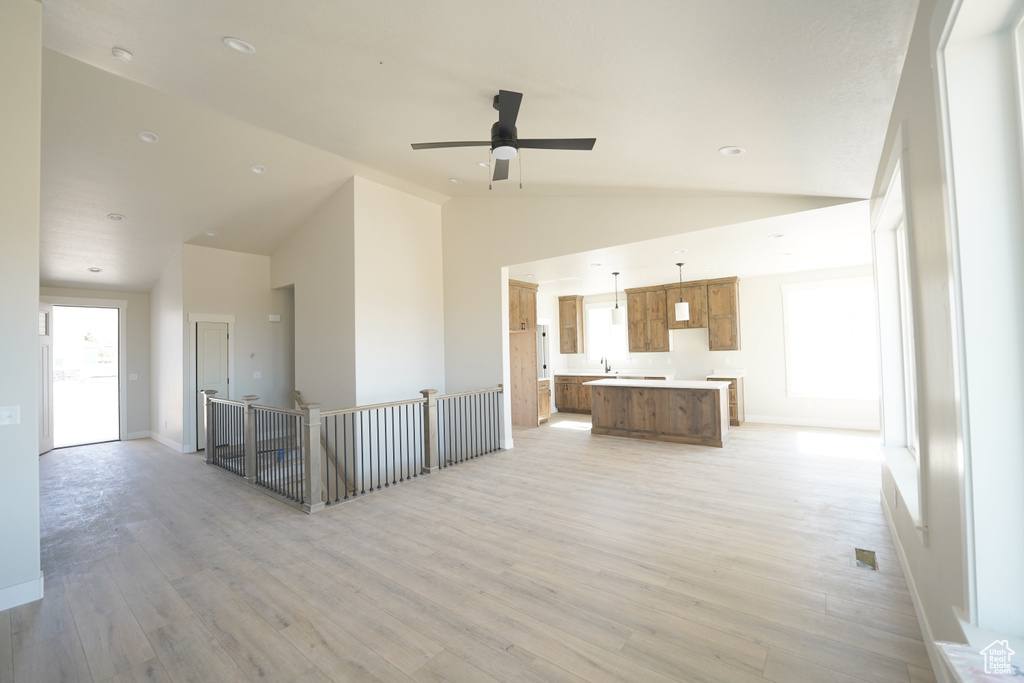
132 376
10 415
275 318
257 375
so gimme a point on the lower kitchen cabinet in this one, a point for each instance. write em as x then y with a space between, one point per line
543 400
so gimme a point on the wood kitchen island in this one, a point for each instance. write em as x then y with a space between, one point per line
666 410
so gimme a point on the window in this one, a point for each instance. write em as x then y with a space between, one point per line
603 338
831 343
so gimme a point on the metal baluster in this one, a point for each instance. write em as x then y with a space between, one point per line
389 441
381 457
362 449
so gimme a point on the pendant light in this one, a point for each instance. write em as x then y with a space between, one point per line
682 307
618 314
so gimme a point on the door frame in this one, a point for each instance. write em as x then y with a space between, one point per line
122 347
191 392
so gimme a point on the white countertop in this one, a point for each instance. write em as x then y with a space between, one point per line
659 384
669 374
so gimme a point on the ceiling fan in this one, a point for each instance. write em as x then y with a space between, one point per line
505 143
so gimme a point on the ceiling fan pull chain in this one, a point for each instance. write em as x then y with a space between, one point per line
520 170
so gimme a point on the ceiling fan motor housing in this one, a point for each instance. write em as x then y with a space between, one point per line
501 141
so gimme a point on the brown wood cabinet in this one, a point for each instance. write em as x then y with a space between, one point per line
723 314
522 306
543 400
737 415
695 294
523 375
570 394
570 324
647 317
684 415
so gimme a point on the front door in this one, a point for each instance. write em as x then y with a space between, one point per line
45 378
211 369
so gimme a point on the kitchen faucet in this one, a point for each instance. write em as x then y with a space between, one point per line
604 361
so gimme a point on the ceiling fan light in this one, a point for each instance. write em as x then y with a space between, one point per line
505 152
682 311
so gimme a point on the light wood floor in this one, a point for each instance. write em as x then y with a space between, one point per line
569 558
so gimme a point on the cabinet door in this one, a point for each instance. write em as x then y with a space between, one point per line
636 316
723 316
515 316
544 401
523 374
528 308
565 395
583 394
570 337
657 321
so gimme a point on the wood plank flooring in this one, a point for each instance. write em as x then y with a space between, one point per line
569 558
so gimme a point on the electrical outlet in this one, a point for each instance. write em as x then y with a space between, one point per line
257 375
10 415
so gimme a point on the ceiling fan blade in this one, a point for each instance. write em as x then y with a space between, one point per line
585 144
501 169
508 110
440 145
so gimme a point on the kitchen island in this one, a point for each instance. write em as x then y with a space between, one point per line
665 410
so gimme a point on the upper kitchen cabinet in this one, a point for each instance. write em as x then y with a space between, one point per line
570 324
647 311
522 306
693 293
723 314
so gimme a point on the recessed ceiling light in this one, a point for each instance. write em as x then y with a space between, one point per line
679 251
776 236
596 265
239 45
731 151
122 54
787 253
709 270
483 164
149 136
457 181
258 169
94 269
529 275
115 216
210 233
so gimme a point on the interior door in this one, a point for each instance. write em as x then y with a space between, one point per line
45 378
211 370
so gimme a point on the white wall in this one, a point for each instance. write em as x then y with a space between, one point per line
167 356
221 282
399 296
137 326
318 259
935 561
762 355
282 303
20 49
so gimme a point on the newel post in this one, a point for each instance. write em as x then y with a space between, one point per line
312 459
431 460
208 416
249 425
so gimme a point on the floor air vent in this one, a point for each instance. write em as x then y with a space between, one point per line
866 559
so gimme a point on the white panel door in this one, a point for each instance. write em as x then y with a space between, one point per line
45 378
211 369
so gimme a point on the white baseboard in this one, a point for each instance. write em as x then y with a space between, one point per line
174 445
137 435
21 593
506 443
813 422
938 666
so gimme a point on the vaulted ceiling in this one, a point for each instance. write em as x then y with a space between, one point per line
341 88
